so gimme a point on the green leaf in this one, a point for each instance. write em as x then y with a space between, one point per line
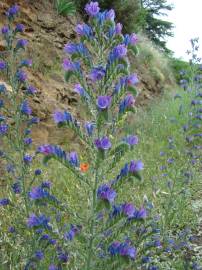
132 90
46 159
134 50
68 75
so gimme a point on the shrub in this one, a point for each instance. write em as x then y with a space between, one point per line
65 7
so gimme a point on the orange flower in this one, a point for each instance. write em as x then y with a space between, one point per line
84 167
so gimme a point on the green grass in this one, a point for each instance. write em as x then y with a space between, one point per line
154 125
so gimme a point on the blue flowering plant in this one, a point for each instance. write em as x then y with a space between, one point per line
112 233
26 199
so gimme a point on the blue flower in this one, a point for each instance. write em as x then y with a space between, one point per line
27 159
38 221
21 76
12 11
3 129
84 30
4 202
71 66
97 73
126 103
105 192
61 117
28 141
73 159
74 230
38 172
120 51
2 65
110 15
136 166
2 89
19 28
92 9
53 267
38 193
103 102
39 255
128 209
5 30
89 126
17 189
25 108
21 44
131 140
63 257
103 143
118 28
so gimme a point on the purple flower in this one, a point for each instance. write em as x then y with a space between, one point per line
140 214
53 267
61 117
114 248
4 202
21 76
123 249
27 159
92 9
74 230
73 159
63 257
126 103
120 51
103 143
38 221
11 229
131 139
89 126
19 28
21 43
39 255
118 28
46 184
117 210
12 11
38 193
110 15
97 73
3 129
5 30
133 39
31 90
103 102
84 30
136 166
128 209
105 192
126 250
46 149
25 108
2 65
71 66
70 48
28 141
17 188
132 79
79 89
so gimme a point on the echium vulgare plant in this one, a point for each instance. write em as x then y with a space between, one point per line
108 233
193 87
26 200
